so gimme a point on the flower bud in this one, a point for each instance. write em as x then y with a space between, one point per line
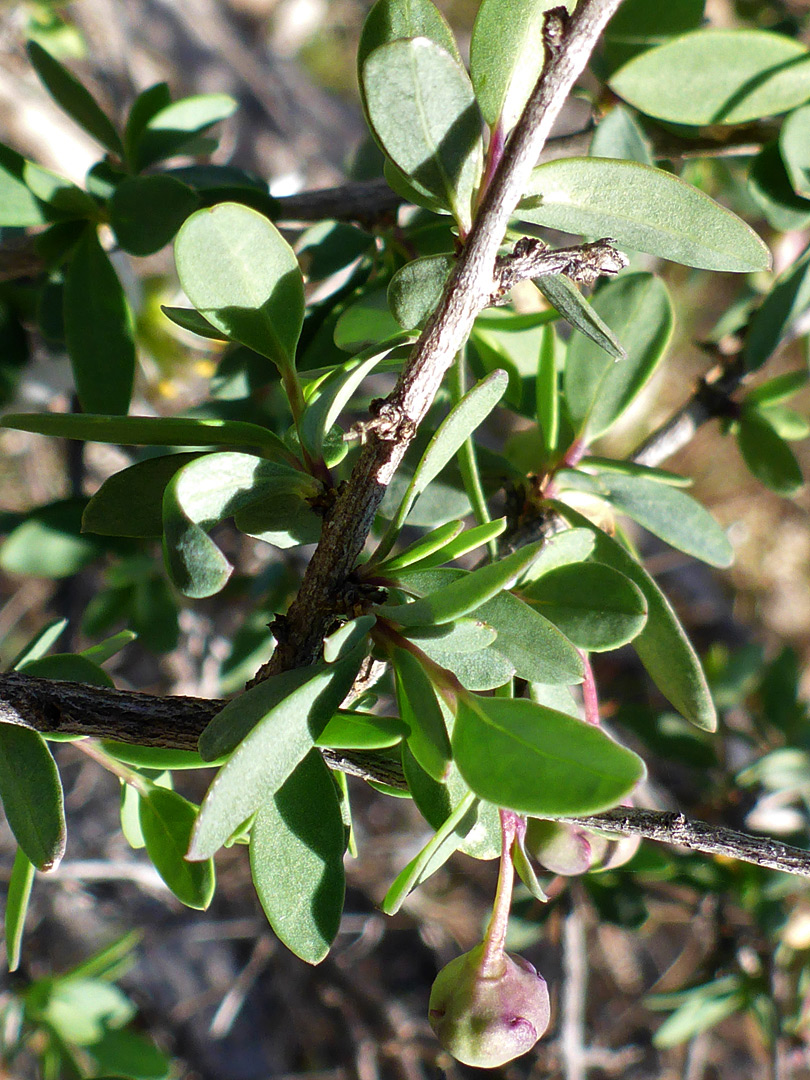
488 1015
569 849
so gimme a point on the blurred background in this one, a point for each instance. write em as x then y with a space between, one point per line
212 994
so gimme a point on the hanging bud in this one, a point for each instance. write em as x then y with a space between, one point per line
486 1014
569 849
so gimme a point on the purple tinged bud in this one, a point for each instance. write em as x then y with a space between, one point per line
563 849
486 1019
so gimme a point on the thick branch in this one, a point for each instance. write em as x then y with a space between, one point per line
569 43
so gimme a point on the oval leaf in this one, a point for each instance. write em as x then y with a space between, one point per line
243 277
147 211
794 146
296 859
767 454
19 893
423 110
419 709
644 209
98 331
535 760
166 820
730 77
31 794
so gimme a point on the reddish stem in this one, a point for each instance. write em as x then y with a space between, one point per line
590 696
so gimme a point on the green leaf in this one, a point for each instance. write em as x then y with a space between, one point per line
663 646
48 544
433 855
670 514
787 423
466 541
341 642
561 549
538 761
423 548
776 316
296 859
595 607
467 593
172 129
193 321
151 431
130 502
206 491
644 209
767 454
547 390
335 391
98 331
125 1053
111 646
365 322
416 289
82 1009
618 135
612 467
68 667
243 277
156 757
482 670
146 105
19 208
422 108
639 25
794 140
285 521
461 636
778 389
147 211
31 794
597 389
506 57
732 76
525 870
427 738
19 893
59 192
770 188
39 644
282 736
74 98
572 305
409 189
530 642
167 820
450 435
362 731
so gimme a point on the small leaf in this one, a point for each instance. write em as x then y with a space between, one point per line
561 549
776 316
597 389
547 390
618 135
365 322
572 305
146 105
778 389
19 208
450 435
166 822
733 76
770 188
48 543
74 98
467 541
794 139
345 639
98 331
670 514
171 129
421 549
525 870
19 893
68 667
419 709
296 859
787 423
638 26
416 289
595 607
467 593
482 670
767 455
130 502
433 855
59 192
39 644
506 57
538 761
530 642
243 277
663 646
111 646
282 737
151 431
462 636
422 108
193 321
147 211
644 209
31 794
362 731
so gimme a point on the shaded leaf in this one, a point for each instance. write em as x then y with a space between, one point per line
171 129
416 289
130 502
19 208
19 893
296 859
773 321
770 187
193 321
48 543
419 709
638 26
619 135
794 140
147 211
563 294
362 731
530 642
167 820
98 331
31 794
767 455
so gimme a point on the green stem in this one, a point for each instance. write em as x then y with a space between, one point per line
124 773
467 459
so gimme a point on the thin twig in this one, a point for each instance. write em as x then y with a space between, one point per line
575 987
531 258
